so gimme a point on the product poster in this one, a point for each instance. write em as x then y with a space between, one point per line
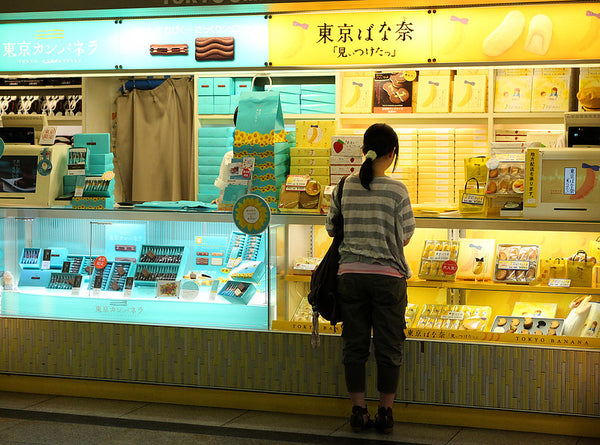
570 181
365 38
517 33
167 43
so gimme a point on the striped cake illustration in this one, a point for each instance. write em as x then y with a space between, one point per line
215 48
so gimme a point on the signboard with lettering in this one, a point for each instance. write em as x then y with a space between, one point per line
171 43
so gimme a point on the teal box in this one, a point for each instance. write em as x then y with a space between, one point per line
206 108
316 108
292 89
289 98
209 160
99 158
98 169
208 189
290 108
326 98
318 88
58 255
206 86
212 170
222 104
223 86
242 85
95 142
92 202
216 132
222 109
216 142
70 180
213 151
207 179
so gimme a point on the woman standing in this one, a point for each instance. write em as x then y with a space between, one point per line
377 223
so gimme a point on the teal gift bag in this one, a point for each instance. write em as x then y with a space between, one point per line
260 133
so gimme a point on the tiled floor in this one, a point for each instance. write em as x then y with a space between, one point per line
42 419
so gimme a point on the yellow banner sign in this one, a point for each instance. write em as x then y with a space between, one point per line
517 33
366 38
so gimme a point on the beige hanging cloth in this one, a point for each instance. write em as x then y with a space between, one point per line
154 150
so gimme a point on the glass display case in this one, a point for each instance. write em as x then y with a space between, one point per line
158 268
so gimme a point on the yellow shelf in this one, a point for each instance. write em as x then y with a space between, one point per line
502 287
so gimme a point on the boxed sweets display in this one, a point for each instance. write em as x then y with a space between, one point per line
553 89
457 317
438 261
475 259
527 325
508 178
513 90
433 93
357 94
393 92
300 193
516 263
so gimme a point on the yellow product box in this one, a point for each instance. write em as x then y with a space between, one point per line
357 94
314 134
310 171
346 145
407 137
433 162
335 179
428 150
344 169
432 174
435 199
553 89
471 144
515 138
438 181
462 131
513 91
299 151
441 189
588 78
400 169
305 160
413 143
547 138
407 156
470 137
472 71
470 151
436 138
469 94
345 160
404 164
323 180
435 131
429 156
433 94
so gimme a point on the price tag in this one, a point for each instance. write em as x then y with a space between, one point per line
296 183
477 200
441 255
513 265
76 285
453 315
46 256
66 267
559 282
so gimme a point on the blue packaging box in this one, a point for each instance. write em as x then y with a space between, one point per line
216 132
213 151
290 108
206 105
206 86
95 142
293 89
318 88
207 179
223 86
58 256
242 85
327 98
216 142
317 108
213 170
209 160
289 98
33 277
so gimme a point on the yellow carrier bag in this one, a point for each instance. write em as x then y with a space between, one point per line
580 270
476 167
551 268
473 200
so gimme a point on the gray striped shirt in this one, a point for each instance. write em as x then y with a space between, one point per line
376 222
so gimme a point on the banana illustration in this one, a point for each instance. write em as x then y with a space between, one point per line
297 42
457 35
313 134
355 95
539 35
432 94
468 94
591 36
505 35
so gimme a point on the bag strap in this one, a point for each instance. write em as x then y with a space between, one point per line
339 224
471 179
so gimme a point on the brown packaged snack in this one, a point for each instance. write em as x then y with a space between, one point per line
215 48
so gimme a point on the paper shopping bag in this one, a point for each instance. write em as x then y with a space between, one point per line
551 268
580 272
260 133
472 199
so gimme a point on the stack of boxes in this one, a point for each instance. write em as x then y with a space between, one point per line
306 98
98 183
311 156
468 143
588 77
220 95
407 164
513 90
213 144
436 165
346 157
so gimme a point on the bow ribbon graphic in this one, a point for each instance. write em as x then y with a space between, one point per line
463 21
437 84
301 25
357 83
470 83
592 14
593 167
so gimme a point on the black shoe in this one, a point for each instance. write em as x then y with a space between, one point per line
384 422
359 420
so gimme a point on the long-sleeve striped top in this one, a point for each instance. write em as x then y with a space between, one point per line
377 222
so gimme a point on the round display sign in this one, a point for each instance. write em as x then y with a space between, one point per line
449 267
100 262
251 214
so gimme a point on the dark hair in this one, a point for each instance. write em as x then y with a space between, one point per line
235 116
382 139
